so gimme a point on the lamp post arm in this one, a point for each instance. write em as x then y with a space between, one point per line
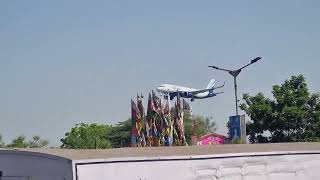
252 62
221 69
245 66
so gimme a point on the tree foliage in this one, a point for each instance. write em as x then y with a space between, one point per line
19 142
120 134
292 116
37 142
87 136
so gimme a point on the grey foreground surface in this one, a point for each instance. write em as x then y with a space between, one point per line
73 154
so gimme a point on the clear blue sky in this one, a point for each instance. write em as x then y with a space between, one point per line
66 62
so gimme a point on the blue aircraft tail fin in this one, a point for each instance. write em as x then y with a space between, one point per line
211 84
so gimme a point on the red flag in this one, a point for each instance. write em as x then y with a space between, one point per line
151 107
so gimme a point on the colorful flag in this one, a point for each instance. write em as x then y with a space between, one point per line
157 102
157 127
134 118
151 111
145 130
178 102
151 108
179 124
140 105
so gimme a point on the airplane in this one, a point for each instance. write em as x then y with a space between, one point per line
172 91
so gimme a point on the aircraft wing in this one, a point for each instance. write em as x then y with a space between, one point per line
224 83
205 90
200 91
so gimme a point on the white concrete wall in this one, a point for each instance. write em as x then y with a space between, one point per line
24 166
269 166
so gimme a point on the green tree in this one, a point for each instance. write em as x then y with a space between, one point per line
292 116
1 142
204 125
120 134
87 136
19 142
37 142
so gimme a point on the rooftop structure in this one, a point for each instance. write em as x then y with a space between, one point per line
301 160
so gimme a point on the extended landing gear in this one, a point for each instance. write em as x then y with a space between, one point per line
192 100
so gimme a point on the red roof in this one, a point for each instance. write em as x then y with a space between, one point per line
212 134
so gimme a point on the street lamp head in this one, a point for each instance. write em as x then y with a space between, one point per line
255 60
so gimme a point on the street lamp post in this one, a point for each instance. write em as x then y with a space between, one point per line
235 74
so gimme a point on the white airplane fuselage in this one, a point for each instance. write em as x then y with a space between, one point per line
185 92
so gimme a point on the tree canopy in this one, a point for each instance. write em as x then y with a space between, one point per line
87 136
37 142
120 134
19 142
293 115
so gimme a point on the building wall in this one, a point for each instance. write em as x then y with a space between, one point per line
32 166
249 166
